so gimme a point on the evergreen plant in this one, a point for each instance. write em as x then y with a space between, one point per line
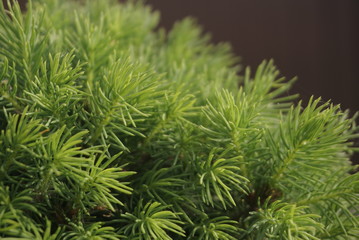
114 129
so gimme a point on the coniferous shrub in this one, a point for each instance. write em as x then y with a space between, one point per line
112 128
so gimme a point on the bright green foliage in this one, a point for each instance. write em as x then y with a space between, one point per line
216 228
218 177
284 221
93 231
151 222
111 128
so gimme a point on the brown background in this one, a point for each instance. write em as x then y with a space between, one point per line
316 40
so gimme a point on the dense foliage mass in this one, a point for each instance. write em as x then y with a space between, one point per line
112 128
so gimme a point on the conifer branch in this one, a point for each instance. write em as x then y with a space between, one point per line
111 128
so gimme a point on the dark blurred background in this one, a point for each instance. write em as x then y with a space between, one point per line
316 40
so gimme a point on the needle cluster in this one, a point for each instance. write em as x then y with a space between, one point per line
111 128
